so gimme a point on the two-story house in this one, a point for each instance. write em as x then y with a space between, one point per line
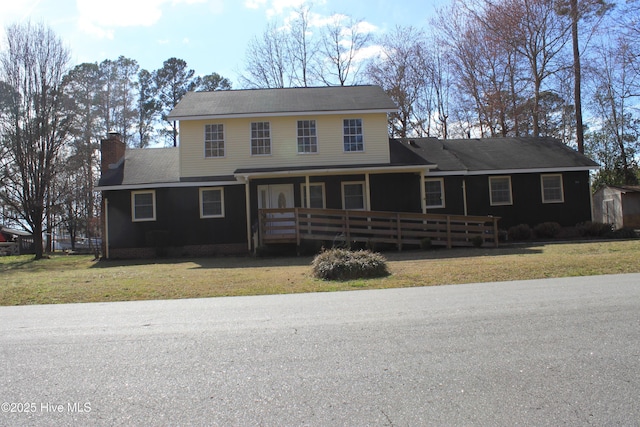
244 150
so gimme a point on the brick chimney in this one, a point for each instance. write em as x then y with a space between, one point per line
111 151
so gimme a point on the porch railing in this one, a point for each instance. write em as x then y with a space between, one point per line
343 227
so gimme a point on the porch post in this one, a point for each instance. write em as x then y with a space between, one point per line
423 193
248 212
307 196
464 195
367 187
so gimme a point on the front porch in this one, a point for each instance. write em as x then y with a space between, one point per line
293 225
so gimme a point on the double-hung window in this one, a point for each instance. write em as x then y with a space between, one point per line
143 205
352 135
434 189
307 138
214 140
353 195
552 191
316 195
500 190
260 139
211 202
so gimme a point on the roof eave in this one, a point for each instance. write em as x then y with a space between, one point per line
333 171
278 114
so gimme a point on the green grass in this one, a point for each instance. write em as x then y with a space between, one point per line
68 279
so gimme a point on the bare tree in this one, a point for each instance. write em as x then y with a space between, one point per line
267 60
536 31
301 47
616 82
394 70
342 39
82 89
34 130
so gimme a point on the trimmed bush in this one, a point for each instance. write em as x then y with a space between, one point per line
547 229
624 233
425 243
343 264
520 232
477 241
594 229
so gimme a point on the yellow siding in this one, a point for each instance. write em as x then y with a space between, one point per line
284 147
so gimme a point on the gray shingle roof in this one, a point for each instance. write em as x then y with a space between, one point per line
161 165
151 166
145 166
498 154
282 101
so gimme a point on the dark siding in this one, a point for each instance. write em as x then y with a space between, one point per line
395 192
177 215
527 205
453 197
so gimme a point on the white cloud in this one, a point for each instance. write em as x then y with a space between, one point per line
100 18
254 4
279 7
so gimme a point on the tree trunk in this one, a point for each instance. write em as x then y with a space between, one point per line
577 76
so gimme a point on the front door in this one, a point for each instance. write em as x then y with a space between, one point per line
277 196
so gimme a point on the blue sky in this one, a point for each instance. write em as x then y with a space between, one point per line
210 35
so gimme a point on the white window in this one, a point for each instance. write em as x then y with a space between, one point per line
307 138
352 135
500 190
143 205
552 191
211 202
353 195
434 189
260 139
316 195
214 140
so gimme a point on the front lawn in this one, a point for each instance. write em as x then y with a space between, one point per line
77 278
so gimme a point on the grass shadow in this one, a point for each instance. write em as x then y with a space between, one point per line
288 260
223 262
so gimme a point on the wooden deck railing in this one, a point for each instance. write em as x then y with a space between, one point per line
400 228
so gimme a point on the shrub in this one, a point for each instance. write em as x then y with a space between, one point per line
343 264
547 229
477 241
520 232
425 243
624 233
594 229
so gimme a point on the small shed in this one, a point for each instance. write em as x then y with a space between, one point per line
618 205
15 242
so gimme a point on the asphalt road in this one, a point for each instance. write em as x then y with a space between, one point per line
545 352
